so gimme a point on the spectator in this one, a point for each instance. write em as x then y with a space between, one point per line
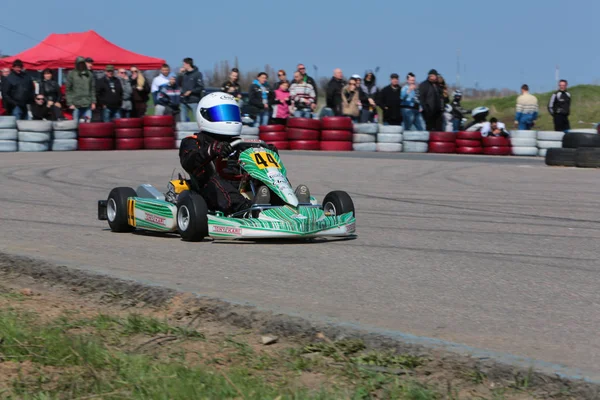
5 72
309 80
80 91
351 100
303 97
369 87
458 112
44 109
140 93
334 93
161 79
110 95
18 91
560 107
443 89
389 101
168 98
410 105
50 89
527 110
232 86
282 76
281 104
192 86
494 128
127 104
89 63
432 102
259 96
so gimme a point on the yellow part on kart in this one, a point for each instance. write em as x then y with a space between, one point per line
179 185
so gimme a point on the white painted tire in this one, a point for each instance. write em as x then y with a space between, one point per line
249 131
8 122
416 136
8 145
542 152
34 126
65 125
523 134
37 137
64 145
414 147
389 138
64 135
180 135
391 129
523 142
389 147
8 134
524 151
550 135
365 128
30 146
364 146
549 144
363 138
187 126
177 144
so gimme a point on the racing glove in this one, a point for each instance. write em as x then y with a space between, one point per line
222 149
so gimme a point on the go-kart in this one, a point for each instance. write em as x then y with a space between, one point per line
182 209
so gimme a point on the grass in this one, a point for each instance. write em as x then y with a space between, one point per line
585 111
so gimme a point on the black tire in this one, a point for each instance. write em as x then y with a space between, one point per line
117 202
561 157
574 140
587 157
196 209
340 201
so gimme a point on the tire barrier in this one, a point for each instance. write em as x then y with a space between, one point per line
366 128
129 143
34 135
390 138
409 146
364 146
336 145
8 145
580 148
96 136
64 144
560 157
574 140
336 123
303 133
95 143
276 135
8 122
159 143
304 145
336 136
523 143
158 133
364 136
123 123
389 147
442 142
587 157
8 134
307 123
496 146
468 143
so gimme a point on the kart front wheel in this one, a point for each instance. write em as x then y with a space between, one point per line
116 209
192 217
338 202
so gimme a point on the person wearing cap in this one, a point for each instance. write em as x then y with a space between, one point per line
110 95
80 91
18 91
432 102
389 101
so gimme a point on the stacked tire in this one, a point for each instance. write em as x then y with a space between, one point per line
249 132
496 146
415 142
364 137
304 133
389 138
158 132
8 134
183 130
548 140
129 134
469 143
64 135
275 135
580 148
96 136
523 143
34 135
442 142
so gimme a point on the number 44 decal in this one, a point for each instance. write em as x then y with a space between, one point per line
265 160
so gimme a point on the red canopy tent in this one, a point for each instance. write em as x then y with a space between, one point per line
59 50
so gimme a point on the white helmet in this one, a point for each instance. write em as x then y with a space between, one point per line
219 113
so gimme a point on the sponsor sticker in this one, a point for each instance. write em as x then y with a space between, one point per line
227 229
351 227
155 219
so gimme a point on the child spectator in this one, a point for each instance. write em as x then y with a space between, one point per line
281 104
168 98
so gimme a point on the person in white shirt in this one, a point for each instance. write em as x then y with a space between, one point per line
160 80
494 128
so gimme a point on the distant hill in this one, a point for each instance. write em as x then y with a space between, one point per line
585 108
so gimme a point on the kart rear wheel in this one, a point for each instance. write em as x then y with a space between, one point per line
192 217
338 202
116 209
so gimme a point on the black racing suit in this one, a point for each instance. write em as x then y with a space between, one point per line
218 193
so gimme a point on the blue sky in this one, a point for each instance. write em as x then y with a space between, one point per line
503 44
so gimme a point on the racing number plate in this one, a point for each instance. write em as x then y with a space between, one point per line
265 160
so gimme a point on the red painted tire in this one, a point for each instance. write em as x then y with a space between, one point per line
469 150
159 143
304 123
497 150
468 135
96 130
468 143
159 131
128 123
126 133
336 145
336 136
129 143
281 145
442 137
273 136
337 123
442 147
92 143
302 134
271 128
158 120
495 141
304 145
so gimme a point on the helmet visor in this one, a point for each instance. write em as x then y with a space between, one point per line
222 113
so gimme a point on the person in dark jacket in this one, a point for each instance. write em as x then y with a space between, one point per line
389 101
141 93
334 93
369 87
50 89
560 107
110 95
192 86
458 111
260 98
44 109
18 91
432 101
232 86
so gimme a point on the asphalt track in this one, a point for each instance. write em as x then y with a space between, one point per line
497 253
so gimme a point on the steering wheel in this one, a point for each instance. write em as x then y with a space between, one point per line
237 142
